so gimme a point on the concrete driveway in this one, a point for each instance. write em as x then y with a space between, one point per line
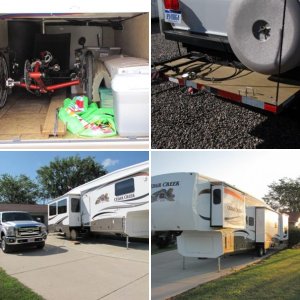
94 269
168 278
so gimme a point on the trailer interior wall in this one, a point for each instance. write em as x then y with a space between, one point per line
106 35
3 34
134 38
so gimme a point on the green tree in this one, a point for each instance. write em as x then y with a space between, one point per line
19 189
284 195
62 175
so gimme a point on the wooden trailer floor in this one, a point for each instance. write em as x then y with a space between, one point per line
247 87
26 117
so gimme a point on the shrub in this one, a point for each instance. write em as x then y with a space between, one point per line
294 236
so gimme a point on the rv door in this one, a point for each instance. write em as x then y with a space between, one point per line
74 211
216 206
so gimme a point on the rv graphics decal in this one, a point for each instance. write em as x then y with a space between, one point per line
165 184
124 197
102 198
129 198
163 195
205 218
101 212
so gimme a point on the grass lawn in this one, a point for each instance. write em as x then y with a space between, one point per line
156 250
12 289
277 277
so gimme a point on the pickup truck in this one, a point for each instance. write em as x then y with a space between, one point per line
262 34
19 228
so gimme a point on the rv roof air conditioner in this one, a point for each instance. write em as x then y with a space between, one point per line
254 33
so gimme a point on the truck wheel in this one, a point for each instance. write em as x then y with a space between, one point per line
5 248
40 245
74 235
3 78
254 28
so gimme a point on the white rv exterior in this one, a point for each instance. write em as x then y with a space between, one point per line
211 217
116 203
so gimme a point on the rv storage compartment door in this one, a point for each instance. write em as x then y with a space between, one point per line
228 208
200 244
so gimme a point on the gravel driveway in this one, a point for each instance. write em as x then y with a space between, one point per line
204 121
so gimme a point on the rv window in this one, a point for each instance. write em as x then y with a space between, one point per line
217 196
62 206
75 205
52 209
124 187
251 221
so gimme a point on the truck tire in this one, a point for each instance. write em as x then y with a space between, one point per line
254 33
40 245
5 248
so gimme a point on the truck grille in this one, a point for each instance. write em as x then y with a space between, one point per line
28 231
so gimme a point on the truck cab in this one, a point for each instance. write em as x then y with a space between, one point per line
19 228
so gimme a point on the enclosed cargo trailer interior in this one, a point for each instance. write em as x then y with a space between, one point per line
26 116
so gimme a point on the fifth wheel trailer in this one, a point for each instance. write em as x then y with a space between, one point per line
29 113
252 47
116 203
212 218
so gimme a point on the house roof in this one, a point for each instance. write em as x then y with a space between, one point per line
31 208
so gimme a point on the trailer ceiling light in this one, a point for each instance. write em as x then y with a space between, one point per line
172 4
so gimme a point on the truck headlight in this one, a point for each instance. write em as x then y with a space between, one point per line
43 228
10 230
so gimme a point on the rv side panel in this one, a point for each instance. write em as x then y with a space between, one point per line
228 208
174 202
267 228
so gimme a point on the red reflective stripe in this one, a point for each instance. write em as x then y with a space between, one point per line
231 96
172 4
270 107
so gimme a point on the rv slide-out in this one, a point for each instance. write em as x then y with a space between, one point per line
212 218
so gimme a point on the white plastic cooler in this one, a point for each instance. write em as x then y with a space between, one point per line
119 64
131 104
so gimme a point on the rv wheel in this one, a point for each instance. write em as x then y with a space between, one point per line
68 234
260 251
74 234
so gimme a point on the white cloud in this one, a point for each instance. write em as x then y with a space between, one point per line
108 162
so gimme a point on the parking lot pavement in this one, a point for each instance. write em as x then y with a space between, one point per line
93 269
168 278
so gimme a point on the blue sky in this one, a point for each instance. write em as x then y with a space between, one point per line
27 162
251 170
